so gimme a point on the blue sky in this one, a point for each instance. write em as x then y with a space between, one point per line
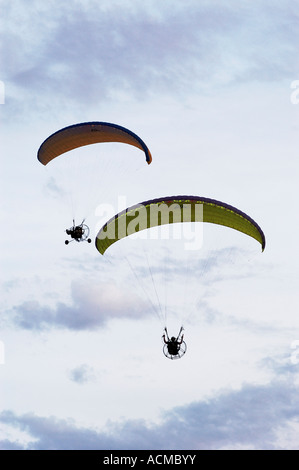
211 89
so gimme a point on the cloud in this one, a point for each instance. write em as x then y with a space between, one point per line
252 417
82 374
53 189
210 265
76 53
93 306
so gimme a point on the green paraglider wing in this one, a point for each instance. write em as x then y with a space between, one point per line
88 133
175 209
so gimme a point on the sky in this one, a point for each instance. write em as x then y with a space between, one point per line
213 90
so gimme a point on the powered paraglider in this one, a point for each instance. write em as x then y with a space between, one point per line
81 172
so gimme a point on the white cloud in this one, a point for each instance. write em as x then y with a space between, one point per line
82 374
74 54
93 306
252 417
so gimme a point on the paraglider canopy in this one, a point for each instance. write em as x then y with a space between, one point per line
86 133
176 209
